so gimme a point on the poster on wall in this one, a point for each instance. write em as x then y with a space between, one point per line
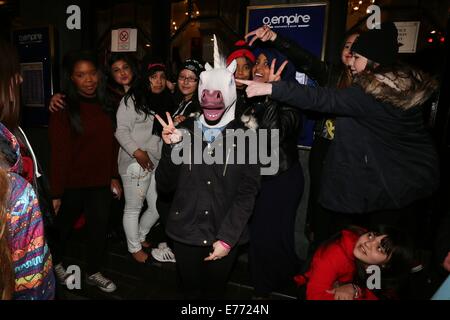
33 88
408 33
306 24
35 47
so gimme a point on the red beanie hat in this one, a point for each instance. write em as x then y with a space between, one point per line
241 49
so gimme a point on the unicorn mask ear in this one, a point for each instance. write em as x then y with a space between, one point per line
232 66
208 67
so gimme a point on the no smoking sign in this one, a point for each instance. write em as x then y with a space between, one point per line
124 43
124 40
124 36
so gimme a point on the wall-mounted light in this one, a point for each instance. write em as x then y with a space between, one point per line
2 3
360 5
148 45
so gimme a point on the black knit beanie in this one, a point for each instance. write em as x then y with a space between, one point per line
194 66
378 45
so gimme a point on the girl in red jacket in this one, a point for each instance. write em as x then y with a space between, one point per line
339 269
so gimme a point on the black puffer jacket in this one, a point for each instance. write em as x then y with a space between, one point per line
382 156
274 115
211 201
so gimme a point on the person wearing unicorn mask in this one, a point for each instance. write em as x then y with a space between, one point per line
212 201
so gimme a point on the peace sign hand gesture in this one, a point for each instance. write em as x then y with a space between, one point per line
170 134
276 76
263 33
255 89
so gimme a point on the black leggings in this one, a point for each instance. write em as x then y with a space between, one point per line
202 279
272 256
95 203
318 219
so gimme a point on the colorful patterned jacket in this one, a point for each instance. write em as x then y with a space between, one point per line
32 262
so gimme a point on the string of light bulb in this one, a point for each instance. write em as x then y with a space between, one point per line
358 6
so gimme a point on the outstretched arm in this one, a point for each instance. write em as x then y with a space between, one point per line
303 60
345 102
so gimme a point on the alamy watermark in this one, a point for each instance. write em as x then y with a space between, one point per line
73 22
235 146
73 280
374 280
374 20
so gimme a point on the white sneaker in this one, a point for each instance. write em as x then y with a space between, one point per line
162 245
104 284
61 274
164 254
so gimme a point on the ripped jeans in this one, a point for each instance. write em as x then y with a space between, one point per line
138 184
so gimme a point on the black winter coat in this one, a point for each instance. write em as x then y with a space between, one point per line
382 157
274 115
211 201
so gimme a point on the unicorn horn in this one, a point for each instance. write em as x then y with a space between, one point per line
219 62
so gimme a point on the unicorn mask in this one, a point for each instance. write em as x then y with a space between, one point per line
217 91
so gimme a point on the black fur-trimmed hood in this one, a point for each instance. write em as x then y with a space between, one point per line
401 86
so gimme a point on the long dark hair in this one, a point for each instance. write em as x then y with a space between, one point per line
73 97
398 246
9 72
132 63
148 103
